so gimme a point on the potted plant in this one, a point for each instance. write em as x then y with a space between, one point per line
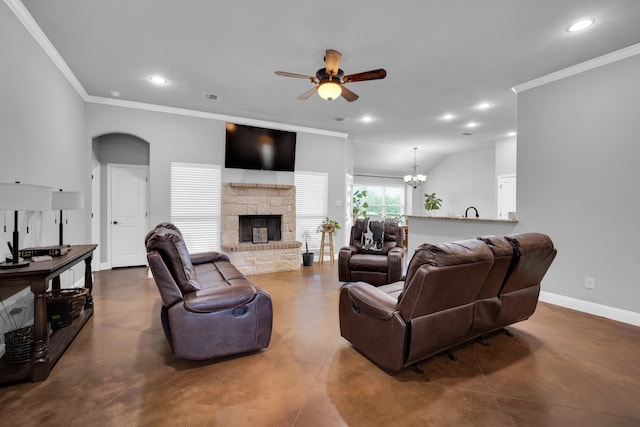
329 225
307 257
431 202
360 204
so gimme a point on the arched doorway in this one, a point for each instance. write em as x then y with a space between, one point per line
120 202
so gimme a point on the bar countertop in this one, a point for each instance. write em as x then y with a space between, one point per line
456 218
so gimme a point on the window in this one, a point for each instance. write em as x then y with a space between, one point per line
311 205
384 201
195 204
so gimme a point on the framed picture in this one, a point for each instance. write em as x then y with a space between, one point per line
260 235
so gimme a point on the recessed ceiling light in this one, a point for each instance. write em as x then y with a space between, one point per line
483 106
580 25
158 80
472 124
367 119
512 133
447 116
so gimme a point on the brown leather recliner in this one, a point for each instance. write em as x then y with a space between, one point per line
376 267
533 255
209 309
453 292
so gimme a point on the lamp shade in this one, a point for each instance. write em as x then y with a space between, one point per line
329 90
24 197
67 200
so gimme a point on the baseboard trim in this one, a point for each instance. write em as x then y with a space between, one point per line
596 309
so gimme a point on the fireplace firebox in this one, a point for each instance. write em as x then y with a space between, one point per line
273 223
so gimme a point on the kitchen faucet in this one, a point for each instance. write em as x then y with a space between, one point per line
467 211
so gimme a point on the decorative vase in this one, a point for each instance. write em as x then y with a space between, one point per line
307 259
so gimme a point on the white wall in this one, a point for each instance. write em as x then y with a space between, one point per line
462 180
506 157
180 138
578 154
41 135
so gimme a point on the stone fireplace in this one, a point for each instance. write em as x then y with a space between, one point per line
245 206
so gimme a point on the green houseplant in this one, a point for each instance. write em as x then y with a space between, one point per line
329 225
432 202
360 204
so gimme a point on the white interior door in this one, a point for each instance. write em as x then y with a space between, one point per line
129 214
506 195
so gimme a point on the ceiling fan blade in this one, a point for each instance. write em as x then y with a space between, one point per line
366 75
332 60
299 76
308 93
348 94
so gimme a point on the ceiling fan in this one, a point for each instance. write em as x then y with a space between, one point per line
330 80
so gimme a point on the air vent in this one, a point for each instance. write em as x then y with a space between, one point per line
467 134
212 96
340 119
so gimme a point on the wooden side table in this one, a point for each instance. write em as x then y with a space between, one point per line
36 276
326 242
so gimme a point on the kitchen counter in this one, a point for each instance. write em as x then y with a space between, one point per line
461 218
436 229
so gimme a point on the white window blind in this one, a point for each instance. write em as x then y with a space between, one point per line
312 190
195 204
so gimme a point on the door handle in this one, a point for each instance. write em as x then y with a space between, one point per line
115 222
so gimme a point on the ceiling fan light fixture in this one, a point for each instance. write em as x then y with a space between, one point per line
329 90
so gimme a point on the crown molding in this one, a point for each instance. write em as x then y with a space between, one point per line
211 116
579 68
23 15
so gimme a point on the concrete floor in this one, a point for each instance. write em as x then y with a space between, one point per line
561 368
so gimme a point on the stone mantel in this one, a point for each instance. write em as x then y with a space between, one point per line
256 185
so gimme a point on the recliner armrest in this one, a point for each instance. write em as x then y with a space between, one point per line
397 249
372 300
217 299
205 257
349 250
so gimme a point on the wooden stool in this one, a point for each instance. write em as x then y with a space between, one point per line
324 243
405 240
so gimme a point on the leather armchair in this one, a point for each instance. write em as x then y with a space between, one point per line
209 309
355 263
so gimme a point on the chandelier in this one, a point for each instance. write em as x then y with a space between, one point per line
415 179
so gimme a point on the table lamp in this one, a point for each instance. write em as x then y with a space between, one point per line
66 200
22 197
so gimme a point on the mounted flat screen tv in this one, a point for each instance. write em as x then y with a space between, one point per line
249 147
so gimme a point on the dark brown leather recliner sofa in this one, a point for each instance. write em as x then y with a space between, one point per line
453 292
209 309
376 267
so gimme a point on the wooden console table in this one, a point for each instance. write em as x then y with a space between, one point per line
37 275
